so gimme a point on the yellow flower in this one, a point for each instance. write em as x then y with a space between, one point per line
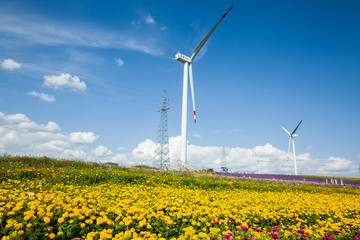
46 219
61 220
52 235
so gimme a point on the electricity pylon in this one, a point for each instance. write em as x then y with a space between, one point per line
161 158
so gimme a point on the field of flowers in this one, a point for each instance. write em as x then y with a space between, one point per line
42 198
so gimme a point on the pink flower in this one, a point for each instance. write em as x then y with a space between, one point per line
244 228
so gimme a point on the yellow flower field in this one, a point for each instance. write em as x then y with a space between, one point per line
116 204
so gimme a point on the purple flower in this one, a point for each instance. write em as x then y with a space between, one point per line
232 222
276 227
296 221
274 235
302 227
244 228
236 229
300 231
216 222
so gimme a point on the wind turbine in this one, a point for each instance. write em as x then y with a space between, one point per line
291 139
188 71
258 164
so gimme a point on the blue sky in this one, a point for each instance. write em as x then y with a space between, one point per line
84 79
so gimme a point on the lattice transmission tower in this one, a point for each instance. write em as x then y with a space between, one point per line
161 158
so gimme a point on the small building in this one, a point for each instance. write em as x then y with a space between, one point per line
111 164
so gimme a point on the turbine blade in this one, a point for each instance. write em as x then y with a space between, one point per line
169 57
201 44
296 128
192 90
285 130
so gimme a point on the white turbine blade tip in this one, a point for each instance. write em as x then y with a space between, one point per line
194 117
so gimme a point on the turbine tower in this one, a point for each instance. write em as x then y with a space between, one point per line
223 160
188 72
161 159
291 140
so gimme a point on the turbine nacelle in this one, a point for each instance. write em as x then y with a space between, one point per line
294 136
182 58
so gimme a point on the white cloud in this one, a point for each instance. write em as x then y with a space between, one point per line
64 80
197 135
121 148
20 135
10 64
308 148
149 19
19 117
145 149
82 137
163 28
119 62
269 158
43 96
50 127
102 151
35 30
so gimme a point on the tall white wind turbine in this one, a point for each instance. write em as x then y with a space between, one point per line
188 71
291 139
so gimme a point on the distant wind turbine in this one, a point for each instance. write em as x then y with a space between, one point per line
188 71
258 163
291 139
